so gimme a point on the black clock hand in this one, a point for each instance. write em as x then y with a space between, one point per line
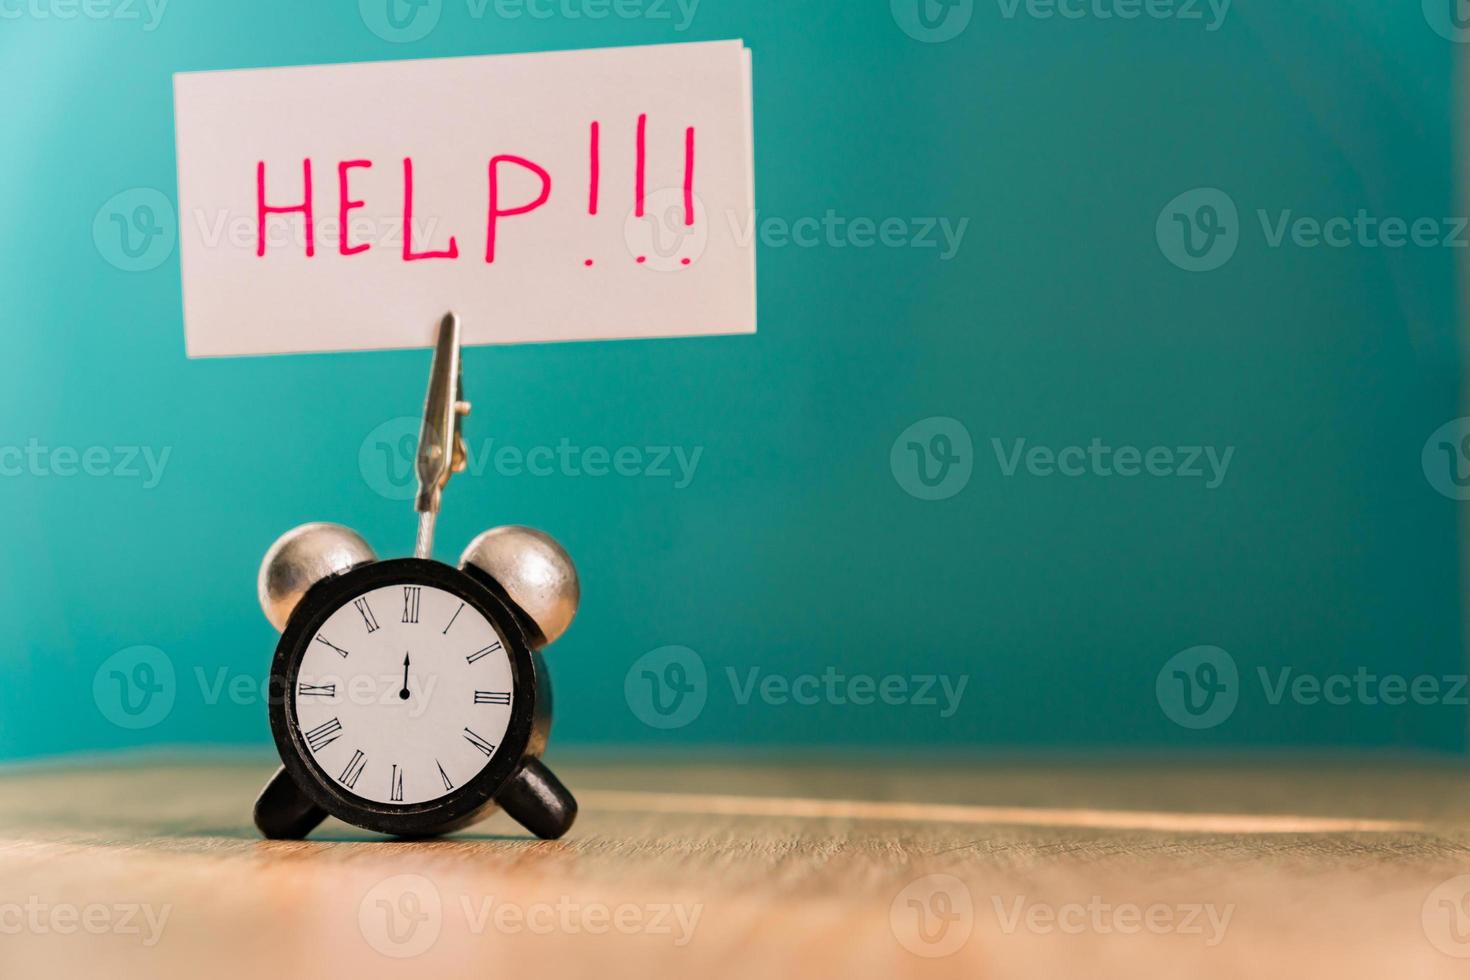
404 693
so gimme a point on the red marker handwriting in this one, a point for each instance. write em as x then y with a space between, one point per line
345 204
262 209
689 176
641 156
594 170
496 210
409 255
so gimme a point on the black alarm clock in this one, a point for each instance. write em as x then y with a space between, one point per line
407 696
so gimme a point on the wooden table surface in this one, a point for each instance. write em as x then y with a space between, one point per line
151 869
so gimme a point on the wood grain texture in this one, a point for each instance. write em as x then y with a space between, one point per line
713 869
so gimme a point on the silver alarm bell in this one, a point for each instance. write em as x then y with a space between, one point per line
302 557
534 571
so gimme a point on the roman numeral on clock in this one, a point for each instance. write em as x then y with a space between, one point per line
485 652
411 603
316 690
340 652
367 614
445 630
448 783
395 786
354 768
323 735
478 742
492 697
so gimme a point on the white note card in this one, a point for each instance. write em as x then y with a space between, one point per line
572 195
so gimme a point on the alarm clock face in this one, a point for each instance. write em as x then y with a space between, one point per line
404 689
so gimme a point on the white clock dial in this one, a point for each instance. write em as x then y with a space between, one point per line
404 694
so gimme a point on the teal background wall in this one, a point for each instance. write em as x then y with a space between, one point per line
795 547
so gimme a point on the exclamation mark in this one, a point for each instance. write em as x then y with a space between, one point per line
638 175
594 171
688 182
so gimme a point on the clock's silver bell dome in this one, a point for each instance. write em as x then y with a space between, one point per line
534 571
299 559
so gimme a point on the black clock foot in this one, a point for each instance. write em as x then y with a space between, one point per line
538 801
282 812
